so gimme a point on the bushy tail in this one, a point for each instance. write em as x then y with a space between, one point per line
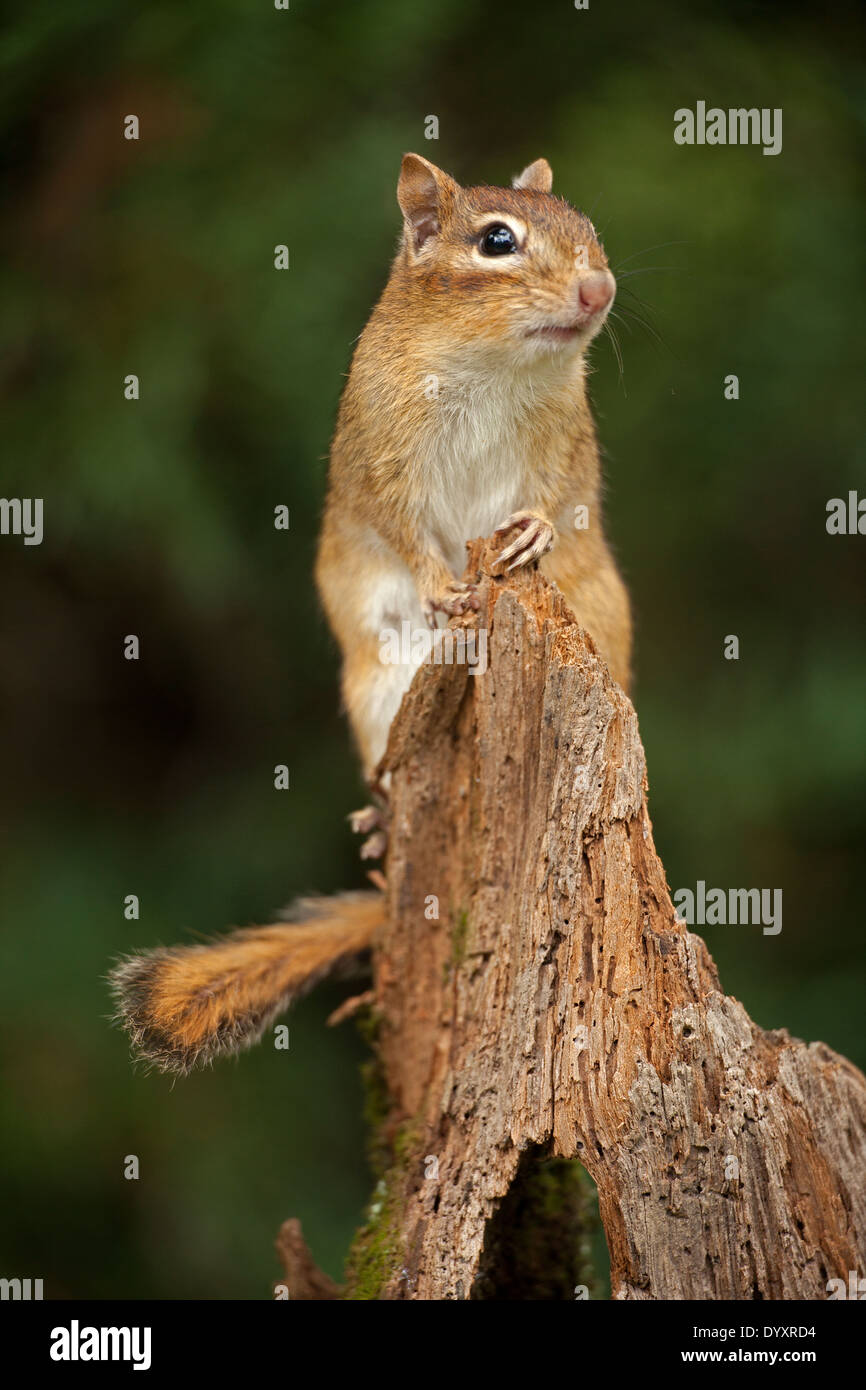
184 1006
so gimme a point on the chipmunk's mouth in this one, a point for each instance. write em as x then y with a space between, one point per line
590 300
556 333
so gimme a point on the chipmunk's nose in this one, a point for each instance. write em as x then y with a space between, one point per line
595 291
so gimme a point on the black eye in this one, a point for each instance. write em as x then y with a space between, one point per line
498 241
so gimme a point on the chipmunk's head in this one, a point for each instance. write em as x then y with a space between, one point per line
515 269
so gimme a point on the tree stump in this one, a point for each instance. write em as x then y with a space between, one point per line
536 996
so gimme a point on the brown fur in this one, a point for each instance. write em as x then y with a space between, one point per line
399 460
412 478
187 1005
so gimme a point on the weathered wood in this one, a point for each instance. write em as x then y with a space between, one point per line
558 1006
303 1281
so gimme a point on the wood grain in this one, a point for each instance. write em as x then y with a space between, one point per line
558 1005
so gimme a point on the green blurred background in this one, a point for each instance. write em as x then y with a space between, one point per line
261 127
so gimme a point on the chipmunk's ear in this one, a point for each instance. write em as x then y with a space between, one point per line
425 195
537 175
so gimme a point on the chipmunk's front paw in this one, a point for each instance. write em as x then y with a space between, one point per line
371 819
535 537
367 819
375 846
454 600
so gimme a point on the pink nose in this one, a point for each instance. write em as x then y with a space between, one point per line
596 291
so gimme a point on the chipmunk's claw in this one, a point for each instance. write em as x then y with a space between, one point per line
371 819
367 819
535 538
375 846
455 600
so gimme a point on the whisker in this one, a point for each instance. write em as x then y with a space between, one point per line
649 327
612 314
617 351
644 317
647 249
647 270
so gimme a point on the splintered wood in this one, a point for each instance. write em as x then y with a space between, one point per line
537 991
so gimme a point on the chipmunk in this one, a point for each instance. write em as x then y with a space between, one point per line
465 413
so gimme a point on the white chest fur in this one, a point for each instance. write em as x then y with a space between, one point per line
475 459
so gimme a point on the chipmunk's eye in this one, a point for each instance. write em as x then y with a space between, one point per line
498 241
